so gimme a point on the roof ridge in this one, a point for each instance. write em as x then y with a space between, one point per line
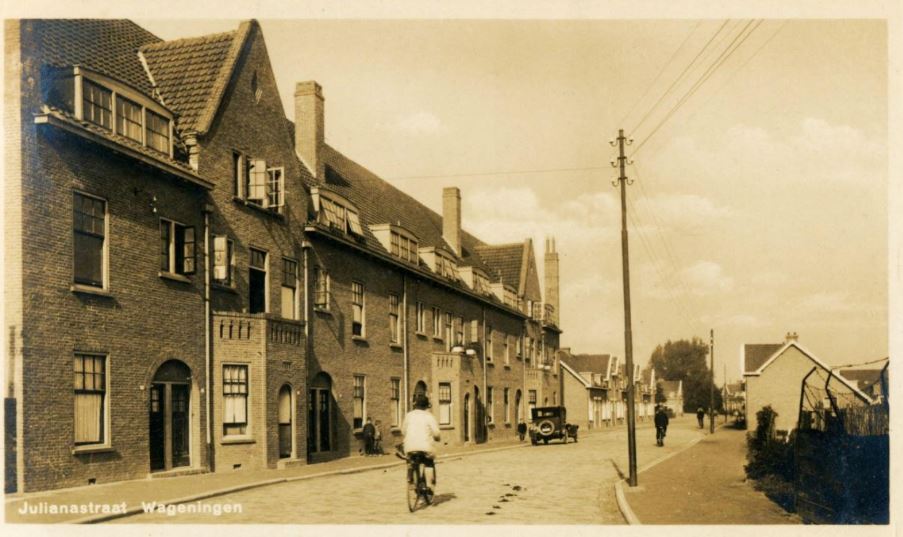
184 41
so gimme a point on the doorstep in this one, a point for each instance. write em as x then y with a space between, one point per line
177 472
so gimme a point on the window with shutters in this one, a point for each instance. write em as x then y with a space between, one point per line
235 399
178 247
90 245
90 399
336 212
223 261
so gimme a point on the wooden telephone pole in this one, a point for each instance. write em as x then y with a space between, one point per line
628 336
712 382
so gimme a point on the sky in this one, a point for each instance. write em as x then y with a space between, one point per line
758 207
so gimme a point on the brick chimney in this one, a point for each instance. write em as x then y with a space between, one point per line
791 336
309 126
451 217
551 278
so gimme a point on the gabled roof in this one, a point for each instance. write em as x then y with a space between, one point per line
580 378
671 386
734 387
506 261
192 74
107 46
590 363
863 378
756 354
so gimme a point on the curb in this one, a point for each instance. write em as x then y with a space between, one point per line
96 519
623 506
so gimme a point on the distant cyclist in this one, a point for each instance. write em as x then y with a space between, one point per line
661 425
421 432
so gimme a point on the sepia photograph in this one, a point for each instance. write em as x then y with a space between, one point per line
449 268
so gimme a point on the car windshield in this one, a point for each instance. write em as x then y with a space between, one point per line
545 413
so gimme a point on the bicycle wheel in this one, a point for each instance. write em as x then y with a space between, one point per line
427 491
413 488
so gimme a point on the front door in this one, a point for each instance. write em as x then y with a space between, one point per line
318 430
157 427
285 422
180 417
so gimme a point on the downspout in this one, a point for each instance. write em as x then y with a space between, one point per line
404 340
208 340
524 394
483 427
305 248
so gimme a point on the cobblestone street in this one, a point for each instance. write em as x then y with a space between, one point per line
554 484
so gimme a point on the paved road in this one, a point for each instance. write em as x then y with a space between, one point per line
554 484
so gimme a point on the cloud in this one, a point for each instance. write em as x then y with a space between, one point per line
419 123
681 211
706 277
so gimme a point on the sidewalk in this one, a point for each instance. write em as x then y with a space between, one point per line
704 485
172 490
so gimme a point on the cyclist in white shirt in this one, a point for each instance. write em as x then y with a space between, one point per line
421 432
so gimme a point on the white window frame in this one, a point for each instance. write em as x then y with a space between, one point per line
449 402
266 277
222 243
295 290
173 267
421 318
106 437
363 306
248 405
363 387
322 275
394 311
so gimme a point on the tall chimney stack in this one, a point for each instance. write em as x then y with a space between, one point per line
309 126
551 278
451 217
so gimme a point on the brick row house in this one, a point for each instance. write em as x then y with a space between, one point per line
196 283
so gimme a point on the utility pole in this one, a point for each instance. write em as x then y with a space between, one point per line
628 336
712 382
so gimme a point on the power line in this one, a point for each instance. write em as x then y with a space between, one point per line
660 73
860 364
680 76
508 172
731 48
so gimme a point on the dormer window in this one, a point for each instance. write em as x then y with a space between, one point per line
336 212
400 242
446 266
111 105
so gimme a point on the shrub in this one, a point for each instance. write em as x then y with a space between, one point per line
766 454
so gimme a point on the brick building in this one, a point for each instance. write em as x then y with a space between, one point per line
227 290
595 390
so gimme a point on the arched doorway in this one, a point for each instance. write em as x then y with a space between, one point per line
467 417
319 414
284 417
170 414
518 412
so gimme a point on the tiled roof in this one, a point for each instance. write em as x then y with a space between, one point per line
646 375
735 387
381 203
108 46
506 261
756 354
670 386
191 74
592 363
862 377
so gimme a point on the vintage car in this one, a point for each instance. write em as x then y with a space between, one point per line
550 422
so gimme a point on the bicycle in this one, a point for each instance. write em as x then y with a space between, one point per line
660 436
417 486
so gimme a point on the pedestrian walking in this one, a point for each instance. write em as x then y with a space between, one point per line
661 425
369 433
700 417
521 430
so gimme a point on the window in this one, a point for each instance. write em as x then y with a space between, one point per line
97 105
506 349
128 119
490 408
275 189
520 347
359 402
258 184
403 247
357 309
238 174
157 132
255 180
489 334
506 405
421 318
322 294
177 248
445 403
223 261
531 400
396 402
446 267
459 331
474 331
448 331
394 319
257 282
90 399
333 213
90 240
289 288
437 323
235 399
354 223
